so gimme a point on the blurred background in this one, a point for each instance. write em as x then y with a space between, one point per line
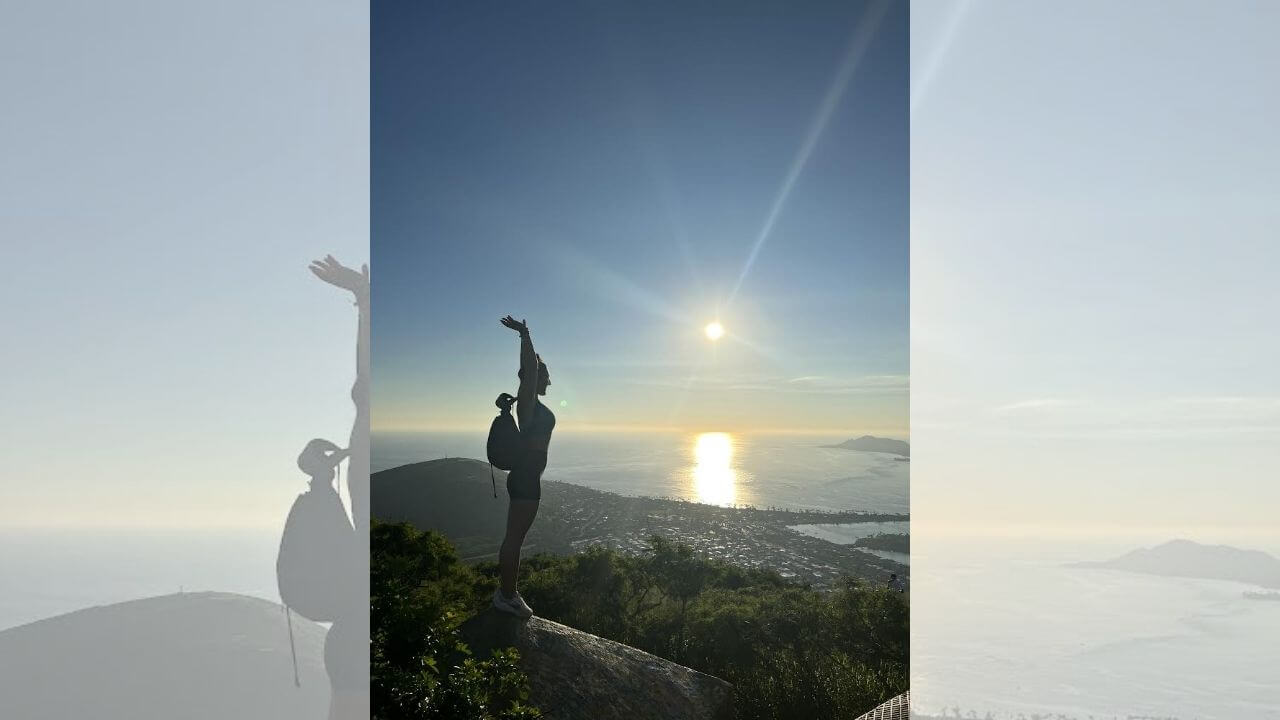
1094 366
170 169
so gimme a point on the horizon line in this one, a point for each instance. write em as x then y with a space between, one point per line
894 433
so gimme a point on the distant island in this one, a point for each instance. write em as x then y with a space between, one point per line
870 443
1184 558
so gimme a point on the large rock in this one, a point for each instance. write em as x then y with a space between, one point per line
577 676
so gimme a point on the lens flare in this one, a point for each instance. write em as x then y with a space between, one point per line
863 33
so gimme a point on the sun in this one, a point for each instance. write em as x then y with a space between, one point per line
714 331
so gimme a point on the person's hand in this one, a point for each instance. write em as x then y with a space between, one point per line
517 325
335 273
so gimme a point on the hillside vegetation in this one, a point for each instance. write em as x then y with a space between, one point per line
789 650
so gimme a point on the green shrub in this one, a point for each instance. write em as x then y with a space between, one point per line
789 650
419 667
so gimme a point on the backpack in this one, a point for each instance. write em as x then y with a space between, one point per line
317 552
318 547
505 445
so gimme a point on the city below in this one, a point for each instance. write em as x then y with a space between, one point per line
455 496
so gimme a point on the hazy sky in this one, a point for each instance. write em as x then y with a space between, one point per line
618 174
169 170
1094 257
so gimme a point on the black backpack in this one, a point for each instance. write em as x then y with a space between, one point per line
317 552
505 446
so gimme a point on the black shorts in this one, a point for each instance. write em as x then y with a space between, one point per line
525 481
346 650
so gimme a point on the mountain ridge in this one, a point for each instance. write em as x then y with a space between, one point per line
194 655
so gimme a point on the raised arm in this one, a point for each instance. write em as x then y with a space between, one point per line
528 371
334 273
360 390
359 447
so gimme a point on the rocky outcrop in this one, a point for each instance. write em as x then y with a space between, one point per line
577 676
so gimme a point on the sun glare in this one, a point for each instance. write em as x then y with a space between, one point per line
714 331
714 479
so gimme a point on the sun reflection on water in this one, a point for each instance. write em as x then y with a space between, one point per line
714 478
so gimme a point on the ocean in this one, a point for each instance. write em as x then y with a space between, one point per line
848 534
48 572
784 471
1003 626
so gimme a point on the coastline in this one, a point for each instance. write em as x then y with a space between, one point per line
454 496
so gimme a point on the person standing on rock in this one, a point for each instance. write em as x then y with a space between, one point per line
524 482
346 645
896 584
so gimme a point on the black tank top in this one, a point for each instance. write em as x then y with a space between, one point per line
538 434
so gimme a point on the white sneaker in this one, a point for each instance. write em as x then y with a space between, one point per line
524 606
515 605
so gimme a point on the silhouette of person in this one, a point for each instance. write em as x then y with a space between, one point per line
524 482
896 584
346 648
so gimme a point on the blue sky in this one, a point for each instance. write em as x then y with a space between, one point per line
604 170
167 353
1094 269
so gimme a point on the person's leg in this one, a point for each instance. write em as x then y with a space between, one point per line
346 662
520 515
